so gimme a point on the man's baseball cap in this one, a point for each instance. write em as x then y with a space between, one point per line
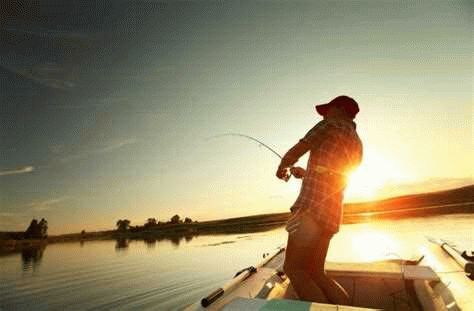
345 102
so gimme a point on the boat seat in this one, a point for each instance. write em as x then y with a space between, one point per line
379 269
387 270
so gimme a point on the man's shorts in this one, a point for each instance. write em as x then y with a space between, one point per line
305 232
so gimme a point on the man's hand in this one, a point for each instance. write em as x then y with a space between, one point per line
297 171
290 158
282 173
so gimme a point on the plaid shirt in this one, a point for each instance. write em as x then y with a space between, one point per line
335 150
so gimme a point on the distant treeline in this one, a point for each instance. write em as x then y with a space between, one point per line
123 225
459 200
453 196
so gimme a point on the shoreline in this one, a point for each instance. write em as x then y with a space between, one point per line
249 224
452 201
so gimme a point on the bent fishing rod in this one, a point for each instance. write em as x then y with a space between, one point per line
253 139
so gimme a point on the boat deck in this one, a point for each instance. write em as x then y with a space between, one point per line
384 285
389 285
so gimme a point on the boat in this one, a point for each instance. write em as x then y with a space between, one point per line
441 279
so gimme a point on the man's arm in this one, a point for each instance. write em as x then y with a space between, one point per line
311 140
290 158
295 152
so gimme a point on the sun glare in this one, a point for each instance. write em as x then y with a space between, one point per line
370 245
373 174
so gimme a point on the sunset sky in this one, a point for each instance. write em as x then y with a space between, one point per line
107 109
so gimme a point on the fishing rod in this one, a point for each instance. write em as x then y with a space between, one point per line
251 138
464 253
467 265
261 143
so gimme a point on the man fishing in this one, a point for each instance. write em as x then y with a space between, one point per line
335 150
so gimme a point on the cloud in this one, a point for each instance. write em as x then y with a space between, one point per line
23 170
9 214
54 34
105 149
47 204
11 219
48 74
116 145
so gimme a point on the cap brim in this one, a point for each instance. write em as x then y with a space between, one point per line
322 109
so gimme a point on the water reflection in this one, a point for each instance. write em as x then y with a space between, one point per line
371 244
121 244
175 240
31 257
150 242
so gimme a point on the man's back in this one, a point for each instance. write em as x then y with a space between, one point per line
335 150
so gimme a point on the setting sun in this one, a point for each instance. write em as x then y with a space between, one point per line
373 174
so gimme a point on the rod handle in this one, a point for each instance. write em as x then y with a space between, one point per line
206 301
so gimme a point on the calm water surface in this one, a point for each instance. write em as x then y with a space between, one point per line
168 275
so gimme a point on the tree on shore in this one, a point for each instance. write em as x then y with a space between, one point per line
43 228
150 222
37 230
123 224
188 220
175 219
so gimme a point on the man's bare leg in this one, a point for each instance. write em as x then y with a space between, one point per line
333 290
297 262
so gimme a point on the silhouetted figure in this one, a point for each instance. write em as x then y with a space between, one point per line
335 150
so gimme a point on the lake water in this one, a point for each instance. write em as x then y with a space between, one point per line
168 275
